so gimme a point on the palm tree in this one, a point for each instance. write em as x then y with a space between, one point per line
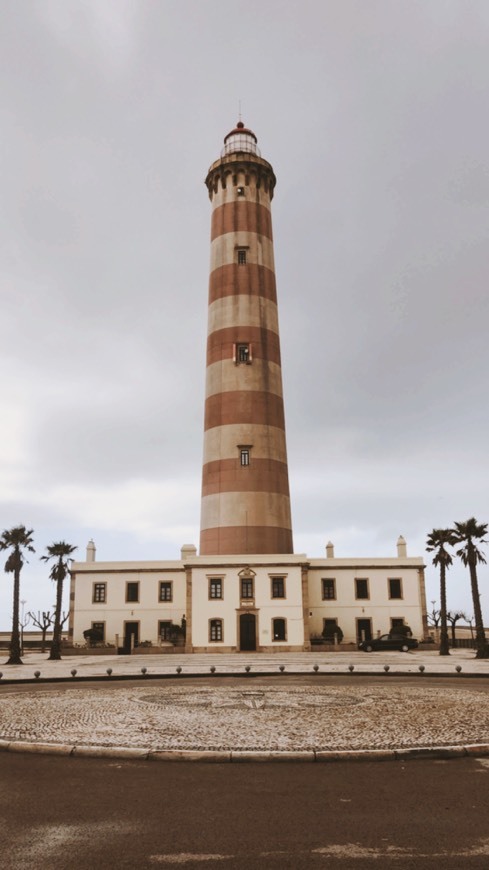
466 534
61 552
436 543
17 540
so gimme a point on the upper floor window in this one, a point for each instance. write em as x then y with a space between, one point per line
278 587
166 591
361 588
246 587
99 593
241 256
329 589
395 587
240 191
215 587
132 592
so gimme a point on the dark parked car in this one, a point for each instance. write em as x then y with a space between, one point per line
387 641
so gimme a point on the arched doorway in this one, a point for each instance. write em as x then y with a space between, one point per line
247 632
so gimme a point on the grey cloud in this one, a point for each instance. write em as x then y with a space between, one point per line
374 118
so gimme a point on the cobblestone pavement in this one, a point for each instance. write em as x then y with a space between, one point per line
248 715
262 714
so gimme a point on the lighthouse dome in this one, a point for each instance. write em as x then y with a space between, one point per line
240 139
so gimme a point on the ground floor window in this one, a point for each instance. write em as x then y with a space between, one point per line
98 629
164 629
332 633
364 630
398 626
279 626
215 630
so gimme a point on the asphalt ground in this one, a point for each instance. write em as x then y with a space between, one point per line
77 814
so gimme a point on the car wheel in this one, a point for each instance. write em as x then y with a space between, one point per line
405 648
368 648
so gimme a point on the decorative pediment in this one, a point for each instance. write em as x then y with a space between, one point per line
246 573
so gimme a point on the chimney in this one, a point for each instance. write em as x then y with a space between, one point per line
401 548
91 551
329 550
188 551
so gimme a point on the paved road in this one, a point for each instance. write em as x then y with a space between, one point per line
80 814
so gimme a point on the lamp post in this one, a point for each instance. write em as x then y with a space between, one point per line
23 602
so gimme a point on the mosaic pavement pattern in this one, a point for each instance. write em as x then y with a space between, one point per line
256 718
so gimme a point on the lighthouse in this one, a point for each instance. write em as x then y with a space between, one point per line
245 505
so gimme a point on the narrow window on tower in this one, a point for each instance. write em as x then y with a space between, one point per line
243 353
240 191
241 256
244 456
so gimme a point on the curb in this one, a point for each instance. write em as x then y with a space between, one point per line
242 756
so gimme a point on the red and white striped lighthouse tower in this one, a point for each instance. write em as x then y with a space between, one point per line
245 484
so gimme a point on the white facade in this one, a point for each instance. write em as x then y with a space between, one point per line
237 603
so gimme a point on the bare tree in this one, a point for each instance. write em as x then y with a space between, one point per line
42 621
434 616
453 616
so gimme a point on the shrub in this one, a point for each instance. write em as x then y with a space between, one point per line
329 632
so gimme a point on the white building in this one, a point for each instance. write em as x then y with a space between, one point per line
243 603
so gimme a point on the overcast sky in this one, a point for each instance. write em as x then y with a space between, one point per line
374 116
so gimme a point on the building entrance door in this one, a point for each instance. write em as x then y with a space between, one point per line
131 636
247 632
364 630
